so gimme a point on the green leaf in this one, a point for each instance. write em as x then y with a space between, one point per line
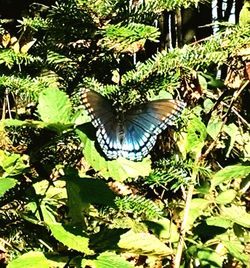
244 17
13 164
165 229
232 131
31 259
202 81
229 173
54 107
197 207
146 243
107 260
226 197
196 135
35 259
219 221
236 249
209 258
208 105
119 169
69 239
91 190
214 126
51 191
237 215
6 184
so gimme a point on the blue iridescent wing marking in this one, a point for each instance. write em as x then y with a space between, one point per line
134 136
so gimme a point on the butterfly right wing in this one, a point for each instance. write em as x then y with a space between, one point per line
104 120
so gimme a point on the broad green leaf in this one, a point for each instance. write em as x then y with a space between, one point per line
232 131
56 190
13 164
196 135
49 215
219 221
214 126
236 249
85 191
107 260
91 190
226 197
143 243
208 105
237 215
6 184
165 229
209 258
119 169
54 107
203 82
198 205
69 239
229 173
77 206
35 259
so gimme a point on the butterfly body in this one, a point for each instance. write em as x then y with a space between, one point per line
132 134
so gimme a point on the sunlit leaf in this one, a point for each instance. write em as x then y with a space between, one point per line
214 126
35 259
6 184
237 214
232 130
197 207
226 197
165 229
77 242
54 106
13 164
210 258
229 173
236 249
196 135
219 221
143 243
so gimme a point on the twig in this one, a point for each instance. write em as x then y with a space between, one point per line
235 96
180 246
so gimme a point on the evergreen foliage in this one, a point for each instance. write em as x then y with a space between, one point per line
62 203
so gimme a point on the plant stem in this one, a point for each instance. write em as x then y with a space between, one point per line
184 225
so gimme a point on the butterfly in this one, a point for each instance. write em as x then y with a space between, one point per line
132 134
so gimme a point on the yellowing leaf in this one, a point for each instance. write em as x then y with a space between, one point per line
237 214
27 46
5 40
143 243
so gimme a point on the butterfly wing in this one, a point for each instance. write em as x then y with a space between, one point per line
104 119
143 124
135 136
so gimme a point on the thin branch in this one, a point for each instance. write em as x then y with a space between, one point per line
235 96
184 226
